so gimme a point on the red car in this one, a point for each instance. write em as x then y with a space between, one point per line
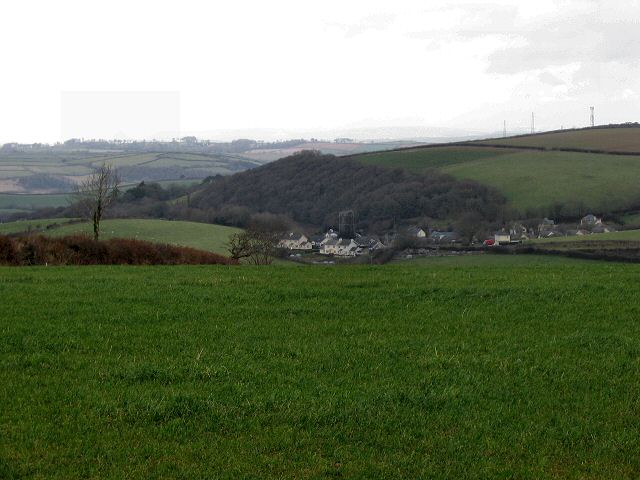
489 242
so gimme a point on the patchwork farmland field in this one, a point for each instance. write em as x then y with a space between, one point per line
46 172
475 367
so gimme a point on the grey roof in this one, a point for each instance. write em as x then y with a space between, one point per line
294 236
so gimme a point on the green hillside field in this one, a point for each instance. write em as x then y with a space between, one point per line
33 225
26 202
530 179
202 236
624 235
473 367
606 139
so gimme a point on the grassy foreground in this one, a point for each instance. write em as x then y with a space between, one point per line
489 367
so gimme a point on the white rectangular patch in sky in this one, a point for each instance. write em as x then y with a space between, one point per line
120 115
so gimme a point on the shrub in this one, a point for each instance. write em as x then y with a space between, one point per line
83 250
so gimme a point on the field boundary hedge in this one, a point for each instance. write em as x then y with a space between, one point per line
84 250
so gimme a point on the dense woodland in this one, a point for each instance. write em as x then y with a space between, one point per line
312 188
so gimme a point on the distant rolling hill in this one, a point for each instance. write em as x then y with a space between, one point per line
614 139
532 175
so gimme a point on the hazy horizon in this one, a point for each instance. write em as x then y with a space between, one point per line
289 70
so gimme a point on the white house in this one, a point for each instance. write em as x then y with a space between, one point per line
295 241
417 232
502 238
346 247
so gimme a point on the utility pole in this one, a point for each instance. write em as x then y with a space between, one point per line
593 118
533 123
504 130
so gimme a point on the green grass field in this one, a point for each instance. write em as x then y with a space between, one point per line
621 235
26 202
421 159
202 236
531 179
32 225
606 139
491 367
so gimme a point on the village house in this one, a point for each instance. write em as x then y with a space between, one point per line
548 228
368 243
590 220
502 238
342 247
416 232
594 224
445 237
295 241
518 232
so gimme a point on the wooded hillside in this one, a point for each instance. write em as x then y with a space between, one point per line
312 188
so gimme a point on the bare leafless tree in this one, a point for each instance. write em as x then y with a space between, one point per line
258 247
96 193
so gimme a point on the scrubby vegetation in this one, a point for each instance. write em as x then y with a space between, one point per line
83 250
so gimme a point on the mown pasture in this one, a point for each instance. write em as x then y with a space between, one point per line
472 367
202 236
531 179
37 225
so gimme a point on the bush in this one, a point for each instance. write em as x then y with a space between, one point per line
83 250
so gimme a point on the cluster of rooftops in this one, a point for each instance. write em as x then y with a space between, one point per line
548 228
331 243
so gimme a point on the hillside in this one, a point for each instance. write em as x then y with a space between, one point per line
619 139
312 188
537 181
201 236
45 171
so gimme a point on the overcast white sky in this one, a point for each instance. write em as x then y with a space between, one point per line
297 66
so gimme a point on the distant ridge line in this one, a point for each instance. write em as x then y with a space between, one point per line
475 143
